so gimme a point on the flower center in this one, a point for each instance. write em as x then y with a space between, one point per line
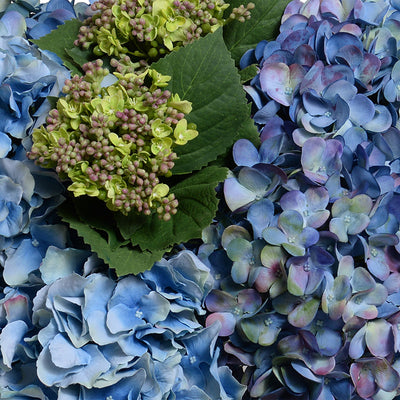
138 314
288 91
268 322
306 267
291 239
237 311
374 252
358 300
192 359
347 219
328 114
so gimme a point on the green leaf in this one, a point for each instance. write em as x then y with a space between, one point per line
125 259
204 74
263 25
79 56
248 73
197 207
96 215
60 39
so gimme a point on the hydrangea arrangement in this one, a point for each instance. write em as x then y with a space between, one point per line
199 200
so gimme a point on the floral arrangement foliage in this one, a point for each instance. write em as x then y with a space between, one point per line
293 292
150 137
306 250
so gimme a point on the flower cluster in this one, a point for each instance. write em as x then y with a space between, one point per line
152 28
28 75
308 295
93 337
112 135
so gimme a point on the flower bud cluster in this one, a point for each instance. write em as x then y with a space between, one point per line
150 28
115 142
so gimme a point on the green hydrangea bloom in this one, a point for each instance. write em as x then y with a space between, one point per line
151 28
116 142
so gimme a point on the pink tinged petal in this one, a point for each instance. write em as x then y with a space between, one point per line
310 8
363 380
317 218
236 195
320 365
353 29
305 55
392 283
333 7
357 344
304 313
261 385
249 300
379 338
262 278
243 356
275 81
367 312
227 321
378 267
297 280
368 68
312 79
386 376
17 308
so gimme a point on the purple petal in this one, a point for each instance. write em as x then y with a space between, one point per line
227 320
379 338
363 380
362 109
275 80
236 195
381 121
304 313
357 344
297 280
245 153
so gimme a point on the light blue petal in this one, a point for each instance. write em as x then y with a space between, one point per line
59 263
18 265
5 145
11 335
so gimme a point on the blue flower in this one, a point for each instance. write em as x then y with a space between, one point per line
27 77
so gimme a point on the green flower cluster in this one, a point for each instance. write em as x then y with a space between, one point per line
112 135
151 28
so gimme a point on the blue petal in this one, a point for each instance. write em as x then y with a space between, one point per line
245 153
